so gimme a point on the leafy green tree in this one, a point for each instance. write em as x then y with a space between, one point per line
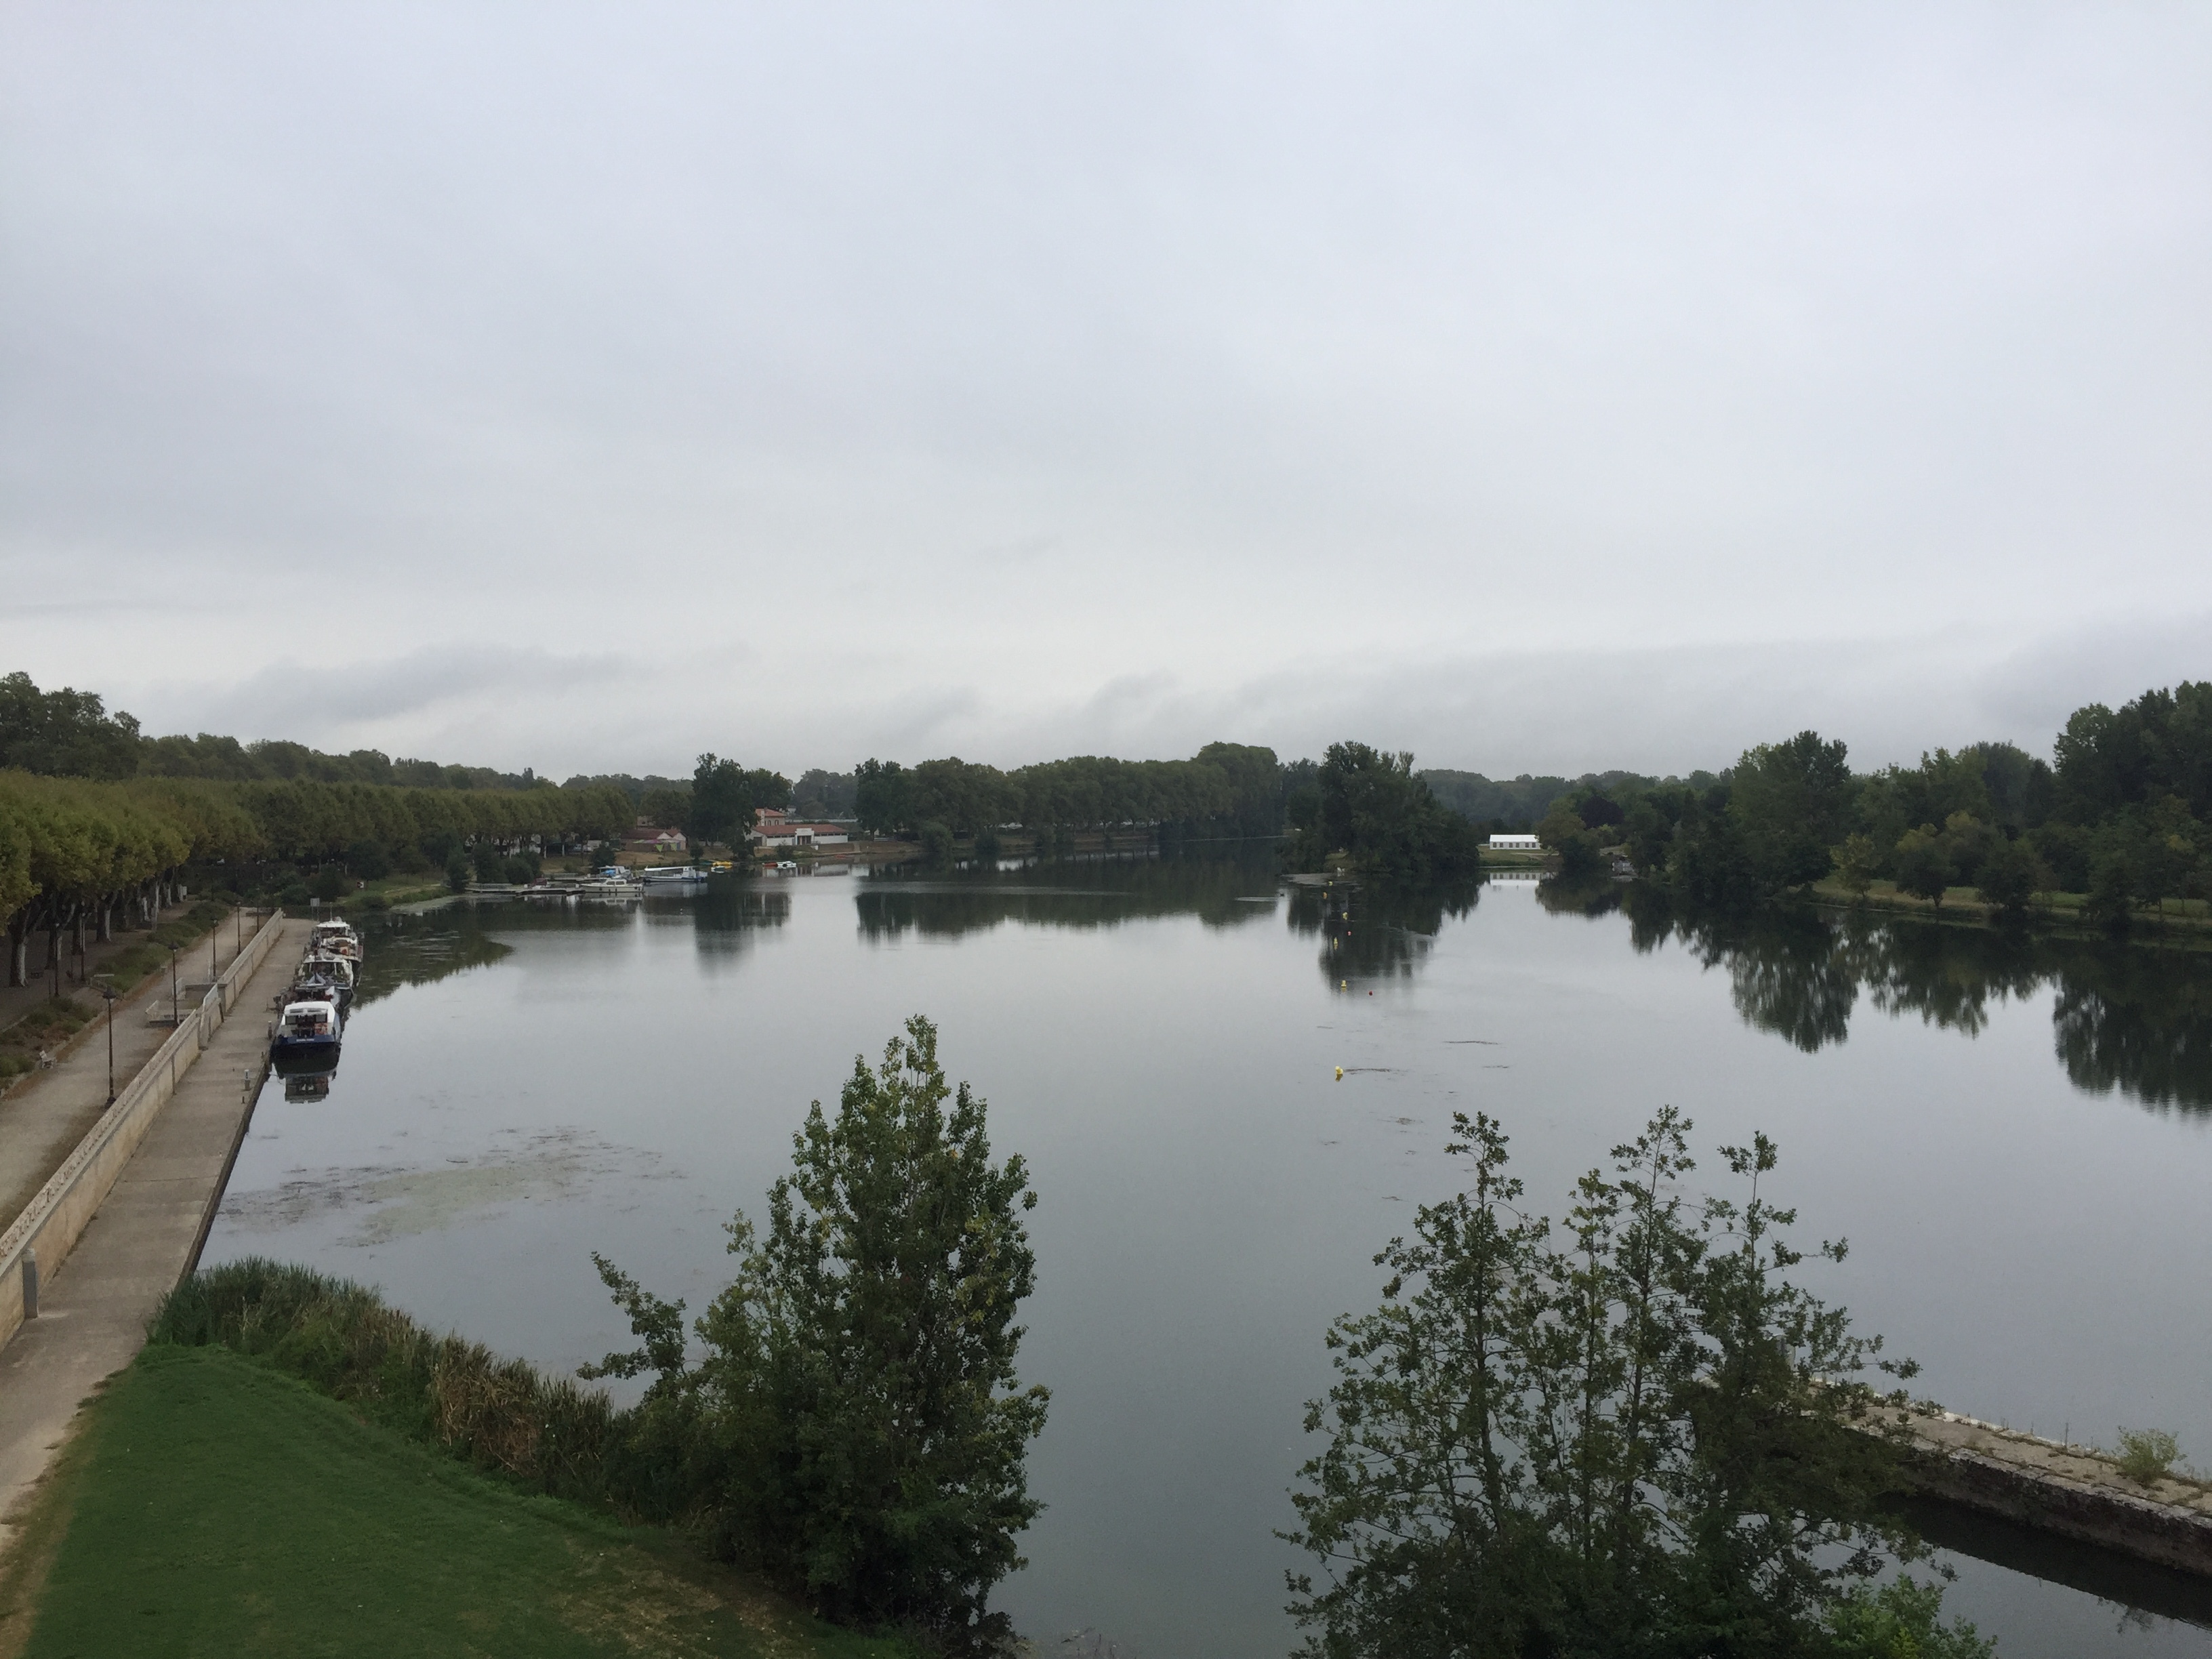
2010 877
1564 832
1790 802
936 844
1384 820
459 869
64 734
726 799
855 1426
2111 899
668 808
367 858
881 791
1641 1437
328 883
1924 864
1901 1620
1855 862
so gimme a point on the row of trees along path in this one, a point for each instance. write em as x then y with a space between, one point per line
46 1114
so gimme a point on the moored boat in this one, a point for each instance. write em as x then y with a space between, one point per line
335 975
334 937
308 1026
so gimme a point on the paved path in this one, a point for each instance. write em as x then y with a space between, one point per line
46 1114
93 1310
17 1001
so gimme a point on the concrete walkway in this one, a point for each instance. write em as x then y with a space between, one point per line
46 1114
94 1308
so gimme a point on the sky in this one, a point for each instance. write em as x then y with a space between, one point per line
1538 388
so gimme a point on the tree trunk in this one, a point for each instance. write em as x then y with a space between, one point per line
19 948
107 918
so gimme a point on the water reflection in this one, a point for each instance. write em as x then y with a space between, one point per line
728 918
419 949
2132 1017
1370 934
1221 890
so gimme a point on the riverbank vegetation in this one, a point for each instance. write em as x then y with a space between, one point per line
1369 812
845 1419
1635 1434
2122 822
209 1504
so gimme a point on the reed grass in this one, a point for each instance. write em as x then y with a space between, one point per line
492 1413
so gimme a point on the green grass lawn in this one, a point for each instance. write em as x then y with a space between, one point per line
212 1506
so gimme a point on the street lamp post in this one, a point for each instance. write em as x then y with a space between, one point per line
108 992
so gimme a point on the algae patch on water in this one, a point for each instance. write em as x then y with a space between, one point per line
396 1202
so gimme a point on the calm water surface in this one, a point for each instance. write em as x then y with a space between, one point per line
2016 1139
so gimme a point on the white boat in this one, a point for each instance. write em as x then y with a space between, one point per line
334 938
677 875
307 1027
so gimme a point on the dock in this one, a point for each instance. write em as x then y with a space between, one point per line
2073 1491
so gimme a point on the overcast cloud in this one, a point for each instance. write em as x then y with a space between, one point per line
1534 388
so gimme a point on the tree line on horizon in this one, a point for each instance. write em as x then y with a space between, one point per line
2124 817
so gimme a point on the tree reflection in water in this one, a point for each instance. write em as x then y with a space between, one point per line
1227 887
1379 934
2135 1018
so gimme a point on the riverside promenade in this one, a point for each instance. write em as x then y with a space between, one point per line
121 1218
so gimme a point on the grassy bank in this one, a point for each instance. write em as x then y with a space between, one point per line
212 1505
2189 918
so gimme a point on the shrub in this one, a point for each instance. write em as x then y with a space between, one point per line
495 1413
2147 1455
329 883
458 869
490 863
295 896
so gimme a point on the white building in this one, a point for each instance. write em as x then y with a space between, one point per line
1515 844
779 831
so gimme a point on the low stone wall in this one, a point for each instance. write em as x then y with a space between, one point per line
2075 1491
52 1223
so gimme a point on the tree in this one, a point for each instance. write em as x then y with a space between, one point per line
857 1406
367 858
1924 864
1854 862
1643 1437
2011 876
726 799
1384 819
667 808
880 792
64 734
2111 899
1564 832
1790 802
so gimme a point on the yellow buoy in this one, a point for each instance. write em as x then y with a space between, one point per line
1339 1074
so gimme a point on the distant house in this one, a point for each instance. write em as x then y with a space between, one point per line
652 838
777 829
1515 844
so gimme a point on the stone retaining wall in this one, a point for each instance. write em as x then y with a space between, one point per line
52 1223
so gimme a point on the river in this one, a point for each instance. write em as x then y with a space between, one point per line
2015 1136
